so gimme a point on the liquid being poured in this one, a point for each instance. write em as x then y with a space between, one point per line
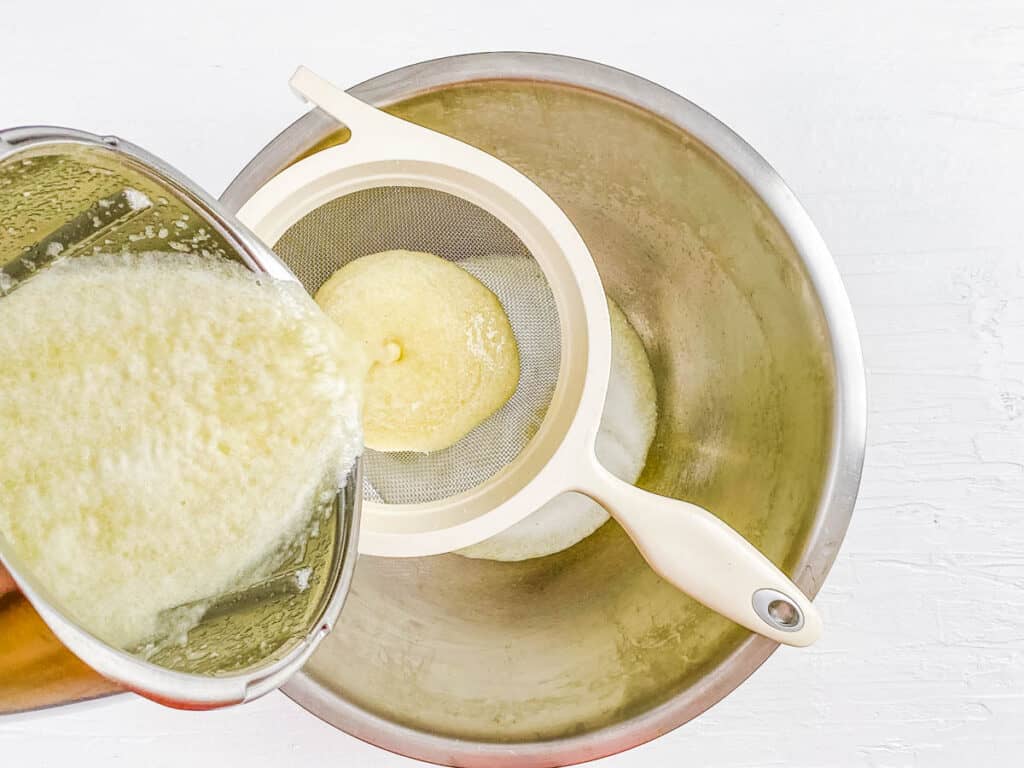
166 422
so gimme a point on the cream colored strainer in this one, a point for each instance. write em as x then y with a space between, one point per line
396 185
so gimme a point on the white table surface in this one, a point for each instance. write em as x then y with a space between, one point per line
901 127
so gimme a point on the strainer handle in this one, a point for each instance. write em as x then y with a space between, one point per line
363 120
705 558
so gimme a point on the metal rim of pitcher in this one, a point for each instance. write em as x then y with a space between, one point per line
183 689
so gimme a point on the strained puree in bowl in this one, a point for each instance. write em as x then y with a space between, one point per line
166 421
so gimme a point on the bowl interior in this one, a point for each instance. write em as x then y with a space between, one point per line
560 646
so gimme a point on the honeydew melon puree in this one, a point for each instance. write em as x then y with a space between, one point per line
444 356
166 422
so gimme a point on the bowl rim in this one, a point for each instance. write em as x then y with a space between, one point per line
849 419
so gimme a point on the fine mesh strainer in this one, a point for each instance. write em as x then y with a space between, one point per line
64 193
395 185
422 219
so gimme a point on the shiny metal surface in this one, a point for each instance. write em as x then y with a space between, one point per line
778 610
762 418
242 647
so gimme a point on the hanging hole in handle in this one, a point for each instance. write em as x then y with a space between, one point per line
778 610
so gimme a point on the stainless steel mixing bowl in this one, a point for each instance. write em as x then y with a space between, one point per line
762 417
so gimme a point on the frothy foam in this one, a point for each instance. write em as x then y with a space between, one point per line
165 421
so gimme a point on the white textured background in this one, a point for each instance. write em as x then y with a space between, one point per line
901 127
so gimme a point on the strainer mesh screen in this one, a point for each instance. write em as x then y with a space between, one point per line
420 219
